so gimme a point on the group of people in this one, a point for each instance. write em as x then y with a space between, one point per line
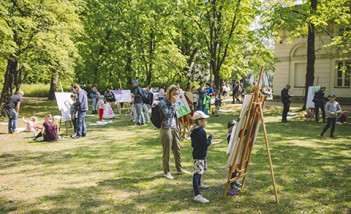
332 108
170 134
48 130
170 141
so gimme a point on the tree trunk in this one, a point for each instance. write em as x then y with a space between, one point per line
151 55
53 85
10 74
128 67
18 79
311 55
217 80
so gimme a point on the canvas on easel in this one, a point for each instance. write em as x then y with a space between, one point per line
63 100
245 134
123 96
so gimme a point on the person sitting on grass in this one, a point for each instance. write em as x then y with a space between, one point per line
49 130
31 124
200 143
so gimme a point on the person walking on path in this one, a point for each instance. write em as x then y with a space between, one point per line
12 107
318 100
235 92
82 105
333 108
285 96
169 134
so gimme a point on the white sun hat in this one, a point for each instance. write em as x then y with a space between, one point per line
200 115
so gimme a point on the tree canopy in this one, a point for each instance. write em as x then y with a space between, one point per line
155 41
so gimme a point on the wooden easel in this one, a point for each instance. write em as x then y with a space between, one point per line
254 114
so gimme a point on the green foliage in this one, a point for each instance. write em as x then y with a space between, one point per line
139 45
295 18
41 90
39 36
35 90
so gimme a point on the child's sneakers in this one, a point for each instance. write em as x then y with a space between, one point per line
238 184
203 186
182 171
232 192
201 199
169 176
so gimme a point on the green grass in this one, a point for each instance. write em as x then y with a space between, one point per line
39 90
118 169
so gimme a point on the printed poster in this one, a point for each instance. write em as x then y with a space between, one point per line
182 105
311 91
123 96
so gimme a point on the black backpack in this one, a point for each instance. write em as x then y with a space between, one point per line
156 116
144 96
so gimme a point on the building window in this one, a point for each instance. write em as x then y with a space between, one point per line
300 75
343 74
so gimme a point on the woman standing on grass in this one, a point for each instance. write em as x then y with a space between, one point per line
169 131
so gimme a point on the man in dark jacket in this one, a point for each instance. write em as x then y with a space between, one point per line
235 92
12 107
138 102
318 100
286 102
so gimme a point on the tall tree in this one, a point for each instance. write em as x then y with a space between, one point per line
36 29
127 40
223 23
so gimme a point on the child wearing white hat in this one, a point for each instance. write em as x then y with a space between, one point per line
200 143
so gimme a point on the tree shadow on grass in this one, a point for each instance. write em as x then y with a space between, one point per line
7 205
320 176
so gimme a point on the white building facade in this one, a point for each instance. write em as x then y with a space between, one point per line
331 70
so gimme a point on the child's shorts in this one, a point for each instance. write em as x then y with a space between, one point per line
217 102
200 166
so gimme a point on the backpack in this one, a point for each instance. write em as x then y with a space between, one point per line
156 116
144 97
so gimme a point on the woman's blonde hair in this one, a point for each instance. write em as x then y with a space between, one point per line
48 116
170 89
55 124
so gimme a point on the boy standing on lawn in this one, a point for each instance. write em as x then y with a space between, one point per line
332 108
200 144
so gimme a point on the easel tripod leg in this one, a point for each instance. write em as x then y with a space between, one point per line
269 156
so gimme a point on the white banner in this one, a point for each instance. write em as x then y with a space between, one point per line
64 102
311 91
123 96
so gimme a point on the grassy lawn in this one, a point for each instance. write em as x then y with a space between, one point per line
117 168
